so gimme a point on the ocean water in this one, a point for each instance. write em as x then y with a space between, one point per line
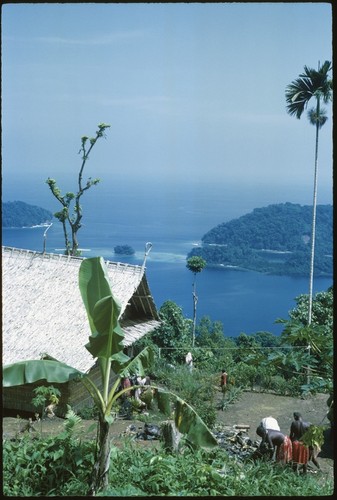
174 220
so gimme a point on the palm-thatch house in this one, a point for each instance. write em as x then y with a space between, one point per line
44 316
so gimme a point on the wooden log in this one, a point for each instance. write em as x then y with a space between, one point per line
242 426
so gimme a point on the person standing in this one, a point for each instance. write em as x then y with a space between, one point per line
223 381
189 361
302 453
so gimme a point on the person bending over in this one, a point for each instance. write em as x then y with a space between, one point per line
276 440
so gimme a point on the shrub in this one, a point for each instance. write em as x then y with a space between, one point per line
201 473
197 388
295 385
244 375
232 394
88 413
48 466
264 377
279 385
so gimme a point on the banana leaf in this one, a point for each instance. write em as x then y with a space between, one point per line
138 364
94 285
186 420
163 401
108 337
103 310
28 372
189 423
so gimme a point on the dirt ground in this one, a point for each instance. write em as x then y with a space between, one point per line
251 407
248 409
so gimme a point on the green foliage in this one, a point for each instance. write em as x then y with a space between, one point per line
88 412
271 239
45 395
314 436
322 310
60 466
42 466
174 333
72 421
28 372
198 388
232 394
200 474
279 385
263 356
316 385
311 84
318 353
244 375
247 346
195 264
19 214
266 339
214 350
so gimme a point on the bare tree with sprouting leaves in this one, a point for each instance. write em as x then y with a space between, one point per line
71 218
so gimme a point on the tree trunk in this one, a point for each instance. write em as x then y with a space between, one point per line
66 239
313 231
100 477
195 300
171 436
74 250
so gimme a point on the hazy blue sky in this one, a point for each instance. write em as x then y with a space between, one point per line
192 91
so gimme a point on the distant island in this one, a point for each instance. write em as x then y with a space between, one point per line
20 214
124 250
273 239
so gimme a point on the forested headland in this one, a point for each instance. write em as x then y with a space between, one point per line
273 239
20 214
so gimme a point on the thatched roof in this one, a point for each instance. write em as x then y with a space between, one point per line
43 311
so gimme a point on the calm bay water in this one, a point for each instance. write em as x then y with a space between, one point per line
173 222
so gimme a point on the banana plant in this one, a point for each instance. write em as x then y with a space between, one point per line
106 344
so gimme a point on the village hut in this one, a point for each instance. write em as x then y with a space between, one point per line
44 317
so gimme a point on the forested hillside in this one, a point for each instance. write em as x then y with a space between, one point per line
19 214
273 239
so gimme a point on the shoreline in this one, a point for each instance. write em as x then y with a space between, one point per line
229 267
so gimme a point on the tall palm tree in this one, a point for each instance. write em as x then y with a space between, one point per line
316 84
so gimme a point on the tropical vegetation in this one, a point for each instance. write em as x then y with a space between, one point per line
272 239
297 363
60 466
262 360
106 345
64 465
20 214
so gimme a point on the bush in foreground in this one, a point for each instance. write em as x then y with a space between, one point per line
62 466
151 472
